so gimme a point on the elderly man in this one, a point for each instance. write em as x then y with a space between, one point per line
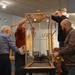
6 44
68 51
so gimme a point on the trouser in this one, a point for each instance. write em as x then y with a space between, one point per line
72 71
19 62
61 44
64 70
5 65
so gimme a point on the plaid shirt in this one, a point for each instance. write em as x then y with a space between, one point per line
20 37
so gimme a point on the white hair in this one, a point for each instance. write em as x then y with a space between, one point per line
5 28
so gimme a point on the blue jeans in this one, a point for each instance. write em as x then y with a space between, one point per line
72 70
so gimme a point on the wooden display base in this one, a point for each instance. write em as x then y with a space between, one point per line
35 67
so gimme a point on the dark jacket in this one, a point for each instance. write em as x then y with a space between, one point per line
68 51
61 33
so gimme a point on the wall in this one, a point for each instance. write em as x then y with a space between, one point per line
70 4
8 19
5 19
16 19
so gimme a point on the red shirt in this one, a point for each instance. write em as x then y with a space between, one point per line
20 37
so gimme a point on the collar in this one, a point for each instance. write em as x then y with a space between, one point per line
69 30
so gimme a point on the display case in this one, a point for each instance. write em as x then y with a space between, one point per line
38 47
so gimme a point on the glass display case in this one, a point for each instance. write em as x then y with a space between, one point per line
38 40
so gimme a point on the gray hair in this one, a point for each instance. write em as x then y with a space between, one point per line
5 28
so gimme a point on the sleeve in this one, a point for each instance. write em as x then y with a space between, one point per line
18 33
11 44
56 18
70 47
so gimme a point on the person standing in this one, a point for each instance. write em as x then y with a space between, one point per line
68 51
6 43
58 17
20 42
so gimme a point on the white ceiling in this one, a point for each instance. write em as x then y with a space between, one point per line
20 7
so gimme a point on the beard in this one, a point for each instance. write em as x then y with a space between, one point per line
64 29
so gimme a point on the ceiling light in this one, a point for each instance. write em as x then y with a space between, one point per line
4 6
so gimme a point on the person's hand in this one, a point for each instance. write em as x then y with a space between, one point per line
56 54
56 49
22 50
46 16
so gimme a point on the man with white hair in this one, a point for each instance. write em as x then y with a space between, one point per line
6 44
68 51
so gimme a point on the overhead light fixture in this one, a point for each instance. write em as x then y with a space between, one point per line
3 5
